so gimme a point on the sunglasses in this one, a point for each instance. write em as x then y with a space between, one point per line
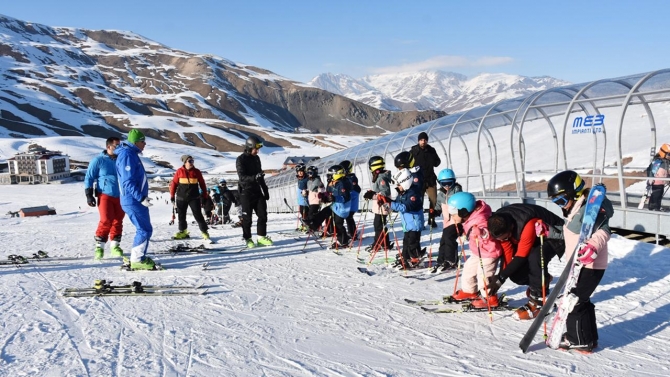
560 200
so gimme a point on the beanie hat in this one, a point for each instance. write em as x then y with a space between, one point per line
423 136
135 135
184 158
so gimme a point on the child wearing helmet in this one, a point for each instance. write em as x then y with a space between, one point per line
381 185
303 205
408 203
470 217
405 160
567 190
338 192
448 252
355 194
658 169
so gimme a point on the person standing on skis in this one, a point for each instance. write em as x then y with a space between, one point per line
314 188
185 192
355 194
338 193
566 189
102 172
408 204
135 200
471 216
381 185
225 201
525 254
448 252
253 192
301 194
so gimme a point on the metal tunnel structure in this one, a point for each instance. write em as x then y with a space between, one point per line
607 130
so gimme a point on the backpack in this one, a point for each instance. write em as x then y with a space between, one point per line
653 168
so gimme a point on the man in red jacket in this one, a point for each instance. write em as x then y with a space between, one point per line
186 189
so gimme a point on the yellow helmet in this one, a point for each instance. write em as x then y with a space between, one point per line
336 172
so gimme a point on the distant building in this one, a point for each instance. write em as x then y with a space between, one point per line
291 162
37 211
38 165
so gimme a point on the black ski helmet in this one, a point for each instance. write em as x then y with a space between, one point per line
300 167
566 182
252 142
335 172
312 171
376 163
404 160
347 166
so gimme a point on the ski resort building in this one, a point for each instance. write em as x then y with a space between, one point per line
606 130
38 165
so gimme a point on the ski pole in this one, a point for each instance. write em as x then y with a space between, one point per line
172 221
461 252
486 289
395 239
430 246
310 232
538 224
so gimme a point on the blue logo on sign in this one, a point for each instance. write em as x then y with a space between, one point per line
591 124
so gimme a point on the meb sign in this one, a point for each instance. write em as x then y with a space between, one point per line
588 125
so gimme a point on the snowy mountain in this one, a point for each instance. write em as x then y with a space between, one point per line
59 81
446 91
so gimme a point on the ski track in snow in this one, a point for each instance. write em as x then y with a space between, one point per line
280 312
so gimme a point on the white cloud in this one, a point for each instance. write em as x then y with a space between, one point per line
444 61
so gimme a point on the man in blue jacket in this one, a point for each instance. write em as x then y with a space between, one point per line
135 197
102 172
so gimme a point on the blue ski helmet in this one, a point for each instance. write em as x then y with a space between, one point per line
446 177
461 203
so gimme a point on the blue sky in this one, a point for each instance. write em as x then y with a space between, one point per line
571 40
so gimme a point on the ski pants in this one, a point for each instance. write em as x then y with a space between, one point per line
656 197
337 221
449 245
472 278
194 204
111 218
381 232
351 224
581 322
139 216
303 211
311 213
255 203
530 273
411 244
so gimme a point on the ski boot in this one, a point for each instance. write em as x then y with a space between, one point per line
567 345
530 310
145 264
99 253
115 250
461 296
264 241
205 236
182 234
486 302
250 243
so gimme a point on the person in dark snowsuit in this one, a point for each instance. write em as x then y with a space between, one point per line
254 192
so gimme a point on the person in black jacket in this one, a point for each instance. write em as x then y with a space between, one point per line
426 157
253 192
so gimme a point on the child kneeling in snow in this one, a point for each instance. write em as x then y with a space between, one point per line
473 215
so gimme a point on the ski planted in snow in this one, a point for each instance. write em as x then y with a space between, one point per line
568 278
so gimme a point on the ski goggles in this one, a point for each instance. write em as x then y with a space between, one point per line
560 200
447 182
258 145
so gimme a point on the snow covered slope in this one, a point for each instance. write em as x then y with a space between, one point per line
281 312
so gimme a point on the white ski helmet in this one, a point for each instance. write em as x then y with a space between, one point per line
404 179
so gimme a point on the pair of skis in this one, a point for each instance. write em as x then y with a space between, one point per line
568 279
104 288
41 256
448 305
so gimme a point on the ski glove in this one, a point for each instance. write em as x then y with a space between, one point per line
541 229
90 200
259 176
382 199
304 192
172 199
369 195
146 202
587 254
326 197
266 195
494 284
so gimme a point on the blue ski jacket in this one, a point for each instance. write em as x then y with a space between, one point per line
132 176
355 191
102 172
410 206
341 192
302 185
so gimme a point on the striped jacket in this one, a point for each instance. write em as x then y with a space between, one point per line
187 184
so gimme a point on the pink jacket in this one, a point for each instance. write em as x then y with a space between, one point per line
598 240
488 246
